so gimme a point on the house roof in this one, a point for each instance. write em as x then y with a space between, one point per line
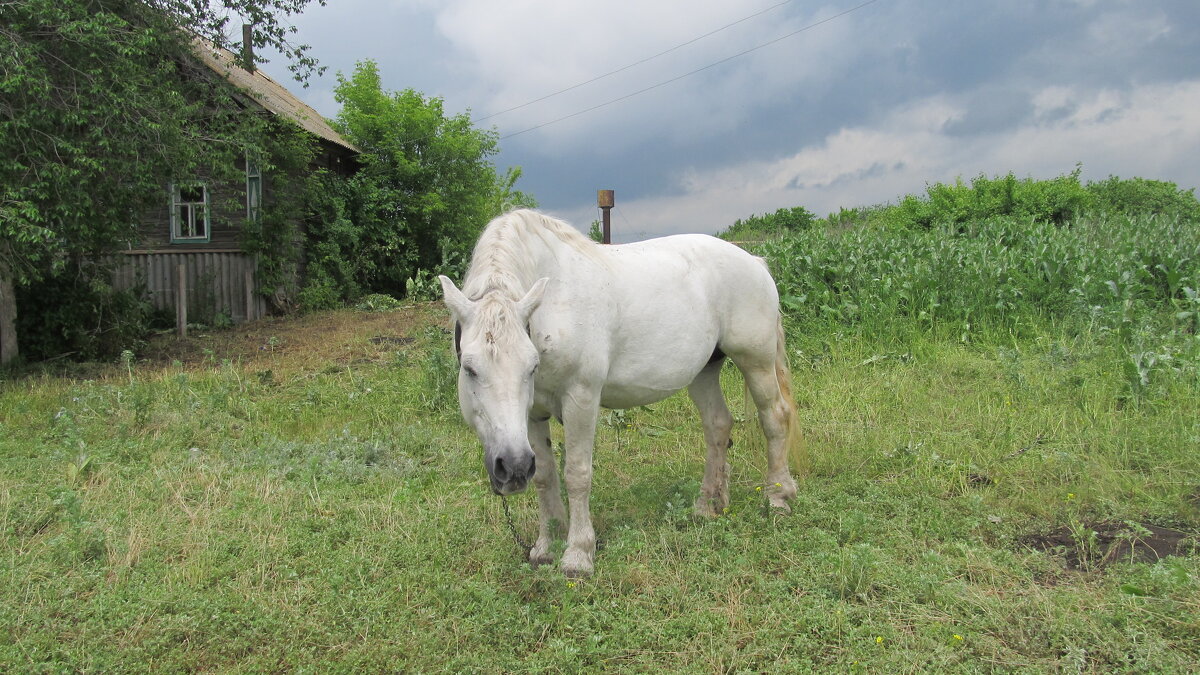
269 94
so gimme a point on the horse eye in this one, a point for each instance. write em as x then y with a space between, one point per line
470 371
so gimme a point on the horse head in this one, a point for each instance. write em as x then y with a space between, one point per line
497 362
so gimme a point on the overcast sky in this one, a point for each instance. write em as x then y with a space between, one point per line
858 110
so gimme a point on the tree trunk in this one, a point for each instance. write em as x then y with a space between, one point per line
8 318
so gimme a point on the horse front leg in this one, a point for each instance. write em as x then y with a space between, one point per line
552 515
579 430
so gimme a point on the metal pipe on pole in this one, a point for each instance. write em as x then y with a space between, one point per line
605 200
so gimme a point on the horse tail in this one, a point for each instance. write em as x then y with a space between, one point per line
797 452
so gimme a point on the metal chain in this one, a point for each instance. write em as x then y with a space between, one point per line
525 547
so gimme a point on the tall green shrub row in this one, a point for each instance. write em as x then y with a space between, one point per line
1056 200
757 228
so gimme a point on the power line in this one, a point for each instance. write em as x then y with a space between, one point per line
689 74
612 72
635 63
622 214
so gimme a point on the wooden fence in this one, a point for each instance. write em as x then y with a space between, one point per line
221 282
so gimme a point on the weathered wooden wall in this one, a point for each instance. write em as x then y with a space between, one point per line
216 281
227 204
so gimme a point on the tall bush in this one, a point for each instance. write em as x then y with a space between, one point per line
1140 196
757 227
426 184
1056 200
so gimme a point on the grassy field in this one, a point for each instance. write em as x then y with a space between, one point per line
1003 423
301 495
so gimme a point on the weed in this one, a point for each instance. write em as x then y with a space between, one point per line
379 302
439 381
127 361
1087 544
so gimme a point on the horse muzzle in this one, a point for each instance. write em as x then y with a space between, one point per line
510 471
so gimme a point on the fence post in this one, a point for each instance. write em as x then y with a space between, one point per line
8 316
249 288
181 300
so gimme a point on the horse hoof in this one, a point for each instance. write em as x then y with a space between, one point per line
781 492
540 554
780 506
576 564
705 509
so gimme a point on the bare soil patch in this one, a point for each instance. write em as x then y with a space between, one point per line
308 342
1093 545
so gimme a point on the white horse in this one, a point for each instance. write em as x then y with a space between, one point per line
550 324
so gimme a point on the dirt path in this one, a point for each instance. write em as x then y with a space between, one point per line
310 342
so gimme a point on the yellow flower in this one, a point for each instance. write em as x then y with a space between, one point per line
779 485
1070 496
878 639
958 637
570 584
758 489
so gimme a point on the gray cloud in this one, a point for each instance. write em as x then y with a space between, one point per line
856 111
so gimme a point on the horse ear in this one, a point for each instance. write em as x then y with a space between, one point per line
533 297
458 303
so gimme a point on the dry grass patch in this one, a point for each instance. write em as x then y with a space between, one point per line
306 343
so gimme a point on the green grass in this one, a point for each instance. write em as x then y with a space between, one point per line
277 501
301 494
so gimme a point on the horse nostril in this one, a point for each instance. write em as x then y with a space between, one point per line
499 471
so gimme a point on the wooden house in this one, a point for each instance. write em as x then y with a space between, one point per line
192 241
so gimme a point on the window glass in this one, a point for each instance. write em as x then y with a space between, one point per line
191 193
189 213
253 189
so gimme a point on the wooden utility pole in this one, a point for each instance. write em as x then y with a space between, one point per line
605 199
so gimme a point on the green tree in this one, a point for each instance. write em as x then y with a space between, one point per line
770 224
1144 197
426 185
101 103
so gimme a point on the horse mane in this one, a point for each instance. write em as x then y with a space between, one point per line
502 260
502 265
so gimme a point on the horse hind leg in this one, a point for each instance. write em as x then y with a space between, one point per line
776 415
705 392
